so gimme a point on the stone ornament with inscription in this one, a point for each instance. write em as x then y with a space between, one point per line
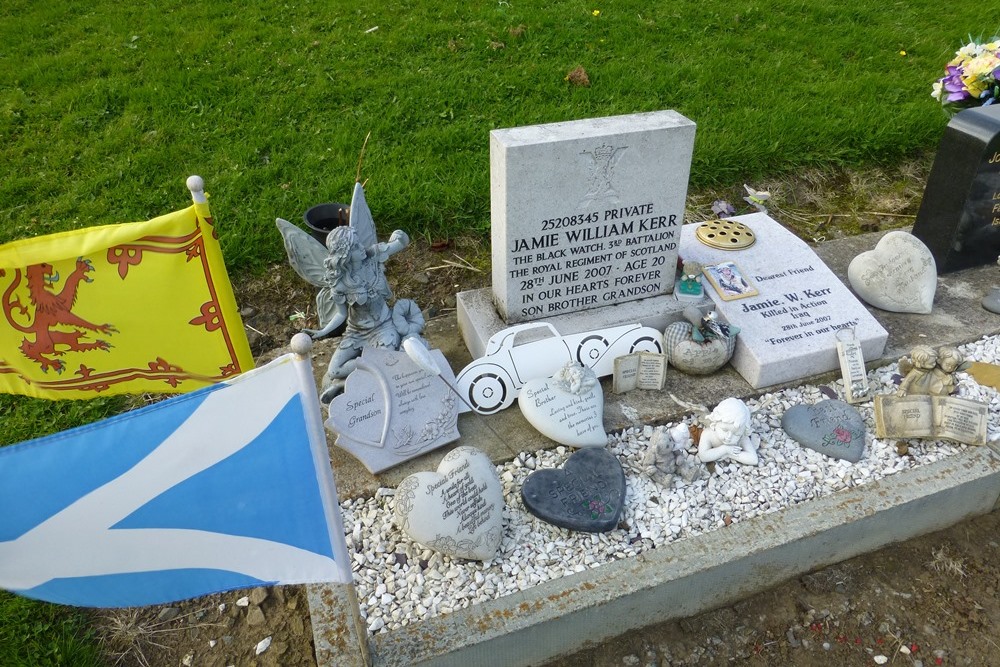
586 494
830 427
586 213
392 410
937 417
457 510
568 407
787 330
898 275
700 346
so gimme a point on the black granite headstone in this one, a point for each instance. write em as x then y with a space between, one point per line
959 217
587 493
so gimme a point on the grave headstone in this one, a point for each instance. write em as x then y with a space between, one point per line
897 275
787 330
587 213
587 493
457 510
830 427
392 410
959 216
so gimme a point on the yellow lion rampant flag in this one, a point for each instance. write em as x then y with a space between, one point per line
119 309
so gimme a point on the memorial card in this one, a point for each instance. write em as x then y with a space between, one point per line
728 281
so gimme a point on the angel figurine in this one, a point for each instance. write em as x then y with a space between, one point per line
728 433
930 371
350 272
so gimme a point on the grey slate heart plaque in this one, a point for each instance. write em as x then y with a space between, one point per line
392 410
830 427
587 493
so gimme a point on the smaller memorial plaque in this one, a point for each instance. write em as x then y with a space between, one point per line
788 330
587 493
457 510
392 410
830 427
959 216
567 407
898 274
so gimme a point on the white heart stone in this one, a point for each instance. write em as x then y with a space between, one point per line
573 418
457 510
898 275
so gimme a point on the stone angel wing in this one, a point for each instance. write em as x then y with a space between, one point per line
306 255
361 218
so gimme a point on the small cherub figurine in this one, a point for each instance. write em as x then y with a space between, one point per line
575 378
916 370
666 455
949 361
728 434
929 371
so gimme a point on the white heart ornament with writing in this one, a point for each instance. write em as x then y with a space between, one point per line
573 418
898 275
457 510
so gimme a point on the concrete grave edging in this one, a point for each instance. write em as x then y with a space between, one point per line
677 580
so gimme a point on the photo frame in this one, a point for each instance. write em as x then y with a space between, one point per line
729 281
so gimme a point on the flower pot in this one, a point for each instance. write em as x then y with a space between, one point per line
323 218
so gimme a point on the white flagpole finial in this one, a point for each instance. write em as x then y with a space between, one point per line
197 187
301 344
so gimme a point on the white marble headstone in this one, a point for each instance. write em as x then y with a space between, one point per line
587 213
392 410
788 330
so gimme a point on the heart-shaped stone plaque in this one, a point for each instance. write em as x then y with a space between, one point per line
587 493
457 510
568 407
694 357
830 427
898 275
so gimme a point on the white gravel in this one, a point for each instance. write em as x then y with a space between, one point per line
400 582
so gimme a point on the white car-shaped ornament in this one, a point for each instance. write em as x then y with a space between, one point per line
492 382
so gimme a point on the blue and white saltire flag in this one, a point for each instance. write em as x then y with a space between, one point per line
226 487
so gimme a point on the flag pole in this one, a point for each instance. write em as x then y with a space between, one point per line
301 345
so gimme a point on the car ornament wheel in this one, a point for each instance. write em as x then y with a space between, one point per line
488 393
591 348
646 344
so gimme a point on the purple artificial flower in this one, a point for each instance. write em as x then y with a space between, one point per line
722 208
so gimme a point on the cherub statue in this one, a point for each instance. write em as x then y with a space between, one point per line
575 378
350 271
929 371
728 434
666 455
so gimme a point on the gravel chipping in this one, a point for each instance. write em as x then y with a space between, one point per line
400 582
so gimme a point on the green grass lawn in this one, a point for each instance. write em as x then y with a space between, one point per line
105 108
